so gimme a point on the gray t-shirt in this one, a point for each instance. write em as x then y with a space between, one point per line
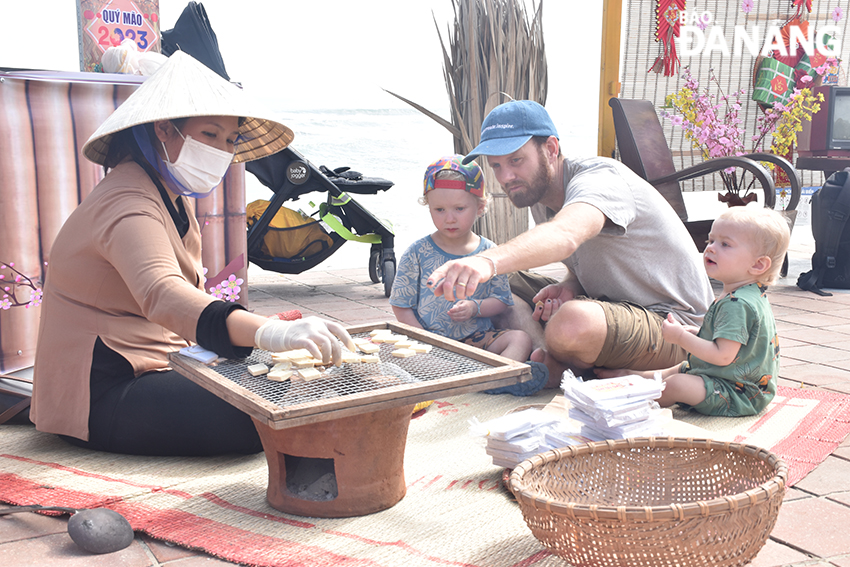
644 254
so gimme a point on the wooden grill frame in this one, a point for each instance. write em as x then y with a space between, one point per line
502 372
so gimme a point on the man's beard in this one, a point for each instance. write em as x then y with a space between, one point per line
535 189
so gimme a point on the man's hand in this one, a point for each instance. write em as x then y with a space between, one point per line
459 278
548 300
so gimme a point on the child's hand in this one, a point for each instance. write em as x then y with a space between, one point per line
672 330
463 310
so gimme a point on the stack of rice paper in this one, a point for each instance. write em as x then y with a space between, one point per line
616 408
517 436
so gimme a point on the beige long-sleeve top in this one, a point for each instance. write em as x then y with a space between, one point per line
119 271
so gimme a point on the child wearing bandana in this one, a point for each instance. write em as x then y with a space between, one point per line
454 195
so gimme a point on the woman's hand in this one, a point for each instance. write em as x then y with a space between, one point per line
320 337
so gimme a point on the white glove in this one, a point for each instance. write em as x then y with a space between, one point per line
316 335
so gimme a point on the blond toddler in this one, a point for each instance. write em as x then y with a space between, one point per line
733 358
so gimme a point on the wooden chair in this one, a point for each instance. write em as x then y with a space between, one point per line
643 147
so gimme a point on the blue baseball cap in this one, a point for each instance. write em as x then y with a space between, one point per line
509 126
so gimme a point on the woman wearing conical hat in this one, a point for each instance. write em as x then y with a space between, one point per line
125 284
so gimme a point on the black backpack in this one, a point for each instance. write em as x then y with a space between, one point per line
830 213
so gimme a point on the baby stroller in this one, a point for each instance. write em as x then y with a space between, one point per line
289 175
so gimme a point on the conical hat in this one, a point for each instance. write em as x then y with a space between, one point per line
182 88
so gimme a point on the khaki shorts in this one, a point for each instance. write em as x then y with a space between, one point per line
525 285
634 338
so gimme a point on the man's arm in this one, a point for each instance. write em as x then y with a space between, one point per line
549 242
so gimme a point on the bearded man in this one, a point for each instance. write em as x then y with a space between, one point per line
630 260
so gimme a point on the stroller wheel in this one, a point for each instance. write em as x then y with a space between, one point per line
388 276
375 266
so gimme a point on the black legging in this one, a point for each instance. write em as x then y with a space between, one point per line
160 413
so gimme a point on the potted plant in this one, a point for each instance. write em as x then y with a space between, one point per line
713 125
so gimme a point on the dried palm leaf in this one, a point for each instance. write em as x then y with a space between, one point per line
495 53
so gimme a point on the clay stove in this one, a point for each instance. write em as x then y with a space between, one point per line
335 445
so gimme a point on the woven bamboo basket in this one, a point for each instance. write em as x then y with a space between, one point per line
652 501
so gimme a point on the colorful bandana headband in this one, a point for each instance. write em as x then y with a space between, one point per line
472 174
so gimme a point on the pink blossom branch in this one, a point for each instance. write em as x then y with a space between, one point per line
9 296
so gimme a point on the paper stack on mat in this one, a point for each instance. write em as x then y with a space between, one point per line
616 408
518 436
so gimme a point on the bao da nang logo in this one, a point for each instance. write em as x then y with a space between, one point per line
698 35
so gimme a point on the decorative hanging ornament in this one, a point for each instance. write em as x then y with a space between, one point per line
794 49
800 3
667 16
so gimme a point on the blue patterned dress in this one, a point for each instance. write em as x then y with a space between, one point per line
409 290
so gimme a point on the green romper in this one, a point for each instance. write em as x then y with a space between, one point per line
746 386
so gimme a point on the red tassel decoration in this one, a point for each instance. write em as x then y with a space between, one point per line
667 14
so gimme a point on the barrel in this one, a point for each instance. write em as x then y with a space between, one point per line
45 119
56 163
19 236
236 245
210 213
91 104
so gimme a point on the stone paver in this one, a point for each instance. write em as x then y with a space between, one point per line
23 525
164 552
59 549
775 554
840 561
794 493
843 329
807 335
816 354
817 320
841 388
841 498
816 374
830 477
815 526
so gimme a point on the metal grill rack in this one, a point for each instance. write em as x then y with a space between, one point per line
349 378
450 368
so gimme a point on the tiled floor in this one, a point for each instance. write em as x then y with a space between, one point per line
814 523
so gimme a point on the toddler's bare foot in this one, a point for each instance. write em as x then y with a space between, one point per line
556 367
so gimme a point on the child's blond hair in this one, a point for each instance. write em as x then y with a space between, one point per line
770 234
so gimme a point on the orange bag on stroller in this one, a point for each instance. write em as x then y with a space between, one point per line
290 234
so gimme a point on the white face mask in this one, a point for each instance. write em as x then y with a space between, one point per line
199 167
